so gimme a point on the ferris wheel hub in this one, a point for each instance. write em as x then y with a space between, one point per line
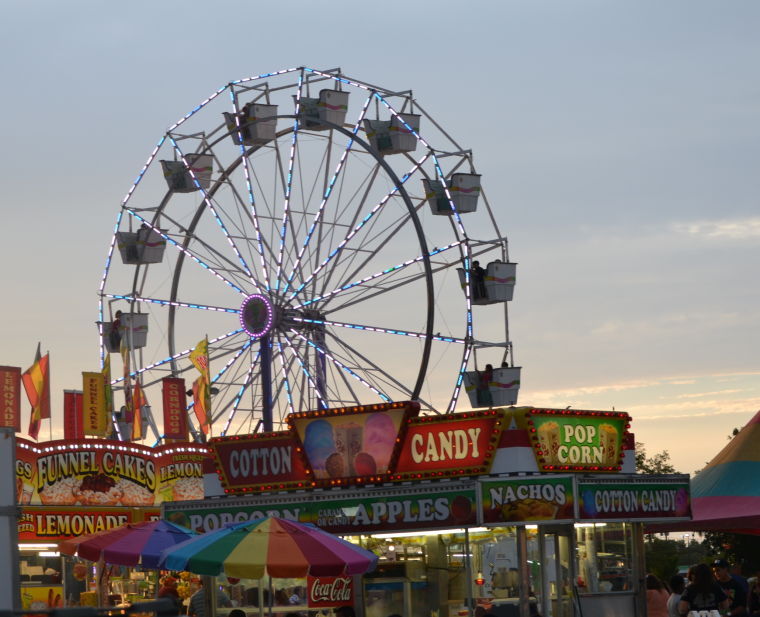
258 315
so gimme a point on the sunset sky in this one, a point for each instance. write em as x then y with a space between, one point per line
619 142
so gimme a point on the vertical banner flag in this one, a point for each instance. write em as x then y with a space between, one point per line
73 427
94 405
106 371
124 350
175 410
202 385
10 397
138 402
36 381
201 399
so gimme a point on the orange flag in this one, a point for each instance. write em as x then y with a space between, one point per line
36 380
138 402
201 402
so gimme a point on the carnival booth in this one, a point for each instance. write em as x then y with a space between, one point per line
70 488
519 510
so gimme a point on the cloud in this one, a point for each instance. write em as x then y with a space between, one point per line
736 229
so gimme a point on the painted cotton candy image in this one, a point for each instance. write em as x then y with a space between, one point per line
319 443
379 439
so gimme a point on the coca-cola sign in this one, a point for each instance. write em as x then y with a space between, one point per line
330 591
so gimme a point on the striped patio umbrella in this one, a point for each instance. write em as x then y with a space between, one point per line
273 546
129 545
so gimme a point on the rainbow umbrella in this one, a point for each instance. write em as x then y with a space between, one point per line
128 545
273 546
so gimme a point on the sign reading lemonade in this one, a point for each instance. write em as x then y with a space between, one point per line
568 440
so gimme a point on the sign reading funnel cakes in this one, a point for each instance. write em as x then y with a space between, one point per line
110 473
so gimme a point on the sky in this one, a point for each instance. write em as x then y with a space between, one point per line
619 143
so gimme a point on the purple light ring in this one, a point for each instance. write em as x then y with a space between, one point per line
254 329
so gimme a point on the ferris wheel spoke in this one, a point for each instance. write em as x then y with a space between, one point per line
326 196
190 305
234 405
368 293
378 276
210 205
304 369
174 357
369 364
353 326
285 368
324 353
289 184
352 208
357 228
386 235
188 253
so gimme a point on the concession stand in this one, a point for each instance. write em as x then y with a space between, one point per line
70 488
522 511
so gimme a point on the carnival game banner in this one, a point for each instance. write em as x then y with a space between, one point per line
95 472
525 499
610 501
385 511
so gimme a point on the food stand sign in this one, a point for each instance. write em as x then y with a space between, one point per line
567 440
646 500
10 397
263 461
391 510
37 524
527 499
441 446
101 473
353 445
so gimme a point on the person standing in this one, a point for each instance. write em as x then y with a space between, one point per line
657 597
731 587
677 585
703 592
196 607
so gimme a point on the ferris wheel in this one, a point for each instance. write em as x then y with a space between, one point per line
324 235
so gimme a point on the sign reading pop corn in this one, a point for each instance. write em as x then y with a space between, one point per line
568 440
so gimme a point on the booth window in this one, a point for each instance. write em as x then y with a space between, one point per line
604 557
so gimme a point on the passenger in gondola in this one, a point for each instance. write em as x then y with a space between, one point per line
483 389
478 275
114 335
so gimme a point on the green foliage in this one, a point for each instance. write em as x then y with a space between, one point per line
736 548
659 463
662 557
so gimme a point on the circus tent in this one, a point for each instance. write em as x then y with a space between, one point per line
725 495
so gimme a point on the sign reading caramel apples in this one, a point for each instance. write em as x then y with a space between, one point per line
438 446
353 442
568 440
95 472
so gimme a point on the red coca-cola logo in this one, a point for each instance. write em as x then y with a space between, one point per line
330 590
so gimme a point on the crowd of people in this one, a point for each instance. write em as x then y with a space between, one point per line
706 588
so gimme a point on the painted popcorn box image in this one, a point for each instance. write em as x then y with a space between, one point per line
550 440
